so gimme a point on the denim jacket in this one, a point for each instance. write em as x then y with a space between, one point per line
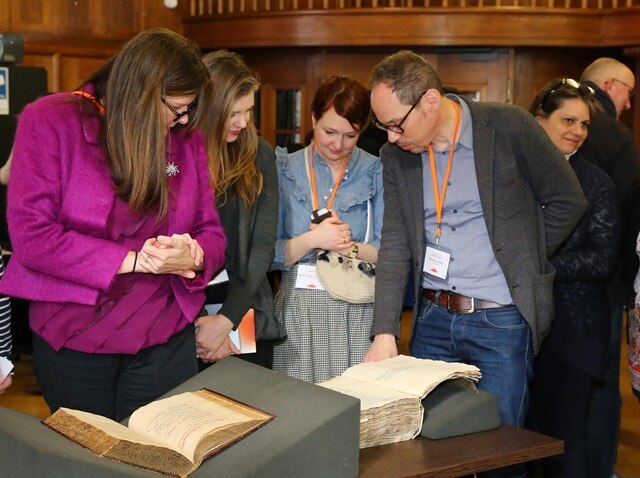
361 184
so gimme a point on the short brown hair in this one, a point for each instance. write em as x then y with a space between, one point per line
407 74
347 96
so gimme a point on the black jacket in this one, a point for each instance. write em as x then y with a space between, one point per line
611 147
584 266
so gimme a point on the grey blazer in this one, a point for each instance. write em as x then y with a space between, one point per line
531 200
248 267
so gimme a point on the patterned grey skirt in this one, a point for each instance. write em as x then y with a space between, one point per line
324 336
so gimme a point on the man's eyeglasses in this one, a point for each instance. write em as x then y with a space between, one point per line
632 90
397 128
585 90
179 114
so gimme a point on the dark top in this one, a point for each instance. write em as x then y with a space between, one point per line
611 146
584 264
251 234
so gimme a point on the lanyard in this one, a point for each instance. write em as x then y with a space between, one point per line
312 177
91 97
438 196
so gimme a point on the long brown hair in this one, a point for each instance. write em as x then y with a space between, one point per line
232 165
154 64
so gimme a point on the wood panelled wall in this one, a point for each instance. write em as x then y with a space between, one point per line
72 38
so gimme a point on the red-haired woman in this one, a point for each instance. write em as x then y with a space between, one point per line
324 335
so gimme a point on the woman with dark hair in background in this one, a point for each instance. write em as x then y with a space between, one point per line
115 235
243 172
324 335
572 357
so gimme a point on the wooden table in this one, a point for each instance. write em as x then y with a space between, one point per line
458 456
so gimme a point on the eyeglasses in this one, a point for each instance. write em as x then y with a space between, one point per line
585 90
179 114
397 128
632 90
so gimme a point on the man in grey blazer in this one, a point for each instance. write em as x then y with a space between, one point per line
474 225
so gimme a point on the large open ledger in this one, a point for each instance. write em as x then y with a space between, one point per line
171 436
391 393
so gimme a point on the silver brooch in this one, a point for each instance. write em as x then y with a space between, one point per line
171 169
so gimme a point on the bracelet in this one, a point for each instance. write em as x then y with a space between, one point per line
135 261
354 251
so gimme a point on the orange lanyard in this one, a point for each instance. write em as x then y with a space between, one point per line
312 176
91 97
438 196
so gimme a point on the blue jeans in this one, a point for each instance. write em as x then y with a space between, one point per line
497 341
606 403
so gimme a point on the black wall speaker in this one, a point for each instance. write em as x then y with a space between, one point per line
11 47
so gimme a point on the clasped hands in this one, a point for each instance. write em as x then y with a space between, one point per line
179 254
333 235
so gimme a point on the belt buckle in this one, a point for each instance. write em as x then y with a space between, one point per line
470 310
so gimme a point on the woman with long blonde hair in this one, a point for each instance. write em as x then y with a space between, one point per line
243 173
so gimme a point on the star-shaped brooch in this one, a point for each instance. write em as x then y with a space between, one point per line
171 169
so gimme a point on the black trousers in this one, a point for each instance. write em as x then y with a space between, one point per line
113 385
561 397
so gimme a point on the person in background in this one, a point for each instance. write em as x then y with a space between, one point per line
5 302
573 356
5 170
464 187
633 333
325 336
611 146
113 227
5 330
243 171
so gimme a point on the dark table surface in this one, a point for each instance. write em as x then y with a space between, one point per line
458 456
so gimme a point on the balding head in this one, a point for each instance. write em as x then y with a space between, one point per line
614 78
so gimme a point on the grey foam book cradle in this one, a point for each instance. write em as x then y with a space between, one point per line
450 411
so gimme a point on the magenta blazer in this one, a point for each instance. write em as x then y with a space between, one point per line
60 197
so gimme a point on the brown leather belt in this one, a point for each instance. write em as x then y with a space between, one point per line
458 304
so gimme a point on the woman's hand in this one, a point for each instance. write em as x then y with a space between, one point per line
5 384
212 338
179 254
332 234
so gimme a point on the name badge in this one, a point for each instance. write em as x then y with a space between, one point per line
436 262
307 277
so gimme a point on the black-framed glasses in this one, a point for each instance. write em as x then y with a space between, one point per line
179 114
632 90
397 128
585 90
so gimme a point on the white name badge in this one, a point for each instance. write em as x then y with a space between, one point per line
307 277
436 262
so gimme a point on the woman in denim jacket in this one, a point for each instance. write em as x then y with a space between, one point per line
326 336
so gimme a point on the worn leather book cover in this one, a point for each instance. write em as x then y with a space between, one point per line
171 436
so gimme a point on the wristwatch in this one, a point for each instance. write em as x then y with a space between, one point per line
354 251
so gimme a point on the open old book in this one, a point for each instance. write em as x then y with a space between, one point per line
391 393
172 435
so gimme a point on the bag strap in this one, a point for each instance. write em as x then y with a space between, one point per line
369 221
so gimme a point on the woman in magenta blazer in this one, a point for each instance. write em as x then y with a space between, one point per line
113 228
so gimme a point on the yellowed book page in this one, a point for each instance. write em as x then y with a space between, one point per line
370 395
114 429
181 421
410 374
